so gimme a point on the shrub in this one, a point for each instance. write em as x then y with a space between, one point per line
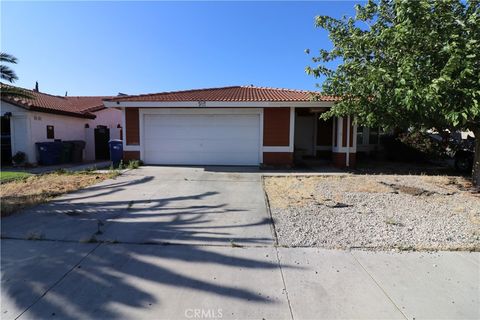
133 164
19 157
414 146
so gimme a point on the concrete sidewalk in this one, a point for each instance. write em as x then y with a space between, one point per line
66 280
186 243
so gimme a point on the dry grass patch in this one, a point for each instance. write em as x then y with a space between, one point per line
38 189
452 183
298 190
287 191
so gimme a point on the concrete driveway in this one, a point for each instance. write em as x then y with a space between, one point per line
190 243
155 205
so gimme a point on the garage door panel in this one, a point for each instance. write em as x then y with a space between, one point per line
218 143
200 146
250 134
201 158
202 139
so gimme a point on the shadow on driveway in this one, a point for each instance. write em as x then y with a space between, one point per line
117 268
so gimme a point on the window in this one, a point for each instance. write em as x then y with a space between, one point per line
359 135
50 132
373 138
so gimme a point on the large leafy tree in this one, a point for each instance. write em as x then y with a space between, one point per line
406 64
6 73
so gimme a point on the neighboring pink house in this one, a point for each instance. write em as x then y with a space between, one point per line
47 117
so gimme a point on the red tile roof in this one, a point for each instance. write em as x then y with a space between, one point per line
230 94
43 102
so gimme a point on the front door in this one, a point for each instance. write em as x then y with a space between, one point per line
102 136
304 134
6 142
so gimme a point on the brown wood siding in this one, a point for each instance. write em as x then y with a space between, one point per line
335 132
351 133
131 155
276 126
339 159
278 158
324 132
132 126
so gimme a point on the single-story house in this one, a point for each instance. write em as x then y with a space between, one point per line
238 125
45 117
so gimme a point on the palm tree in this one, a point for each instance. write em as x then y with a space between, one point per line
6 73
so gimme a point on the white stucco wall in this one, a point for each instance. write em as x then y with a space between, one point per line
29 127
109 117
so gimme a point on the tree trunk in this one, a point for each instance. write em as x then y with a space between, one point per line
476 159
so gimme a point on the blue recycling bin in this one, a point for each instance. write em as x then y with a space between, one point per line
116 151
49 153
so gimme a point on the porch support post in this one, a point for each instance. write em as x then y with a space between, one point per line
344 146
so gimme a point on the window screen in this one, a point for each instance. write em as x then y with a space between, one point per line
359 135
373 138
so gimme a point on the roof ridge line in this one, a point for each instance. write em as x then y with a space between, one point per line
281 89
176 91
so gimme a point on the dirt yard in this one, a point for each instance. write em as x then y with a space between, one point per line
37 189
408 212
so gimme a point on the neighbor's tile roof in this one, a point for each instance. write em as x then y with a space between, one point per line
43 102
230 94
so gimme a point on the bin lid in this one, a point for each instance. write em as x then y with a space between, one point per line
115 141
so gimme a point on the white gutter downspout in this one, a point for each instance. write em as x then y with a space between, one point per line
347 157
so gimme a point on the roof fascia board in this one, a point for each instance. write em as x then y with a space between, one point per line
217 104
51 111
63 113
13 102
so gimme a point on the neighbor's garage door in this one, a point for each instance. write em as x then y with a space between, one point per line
217 139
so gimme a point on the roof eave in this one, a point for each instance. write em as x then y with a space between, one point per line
64 113
216 104
85 115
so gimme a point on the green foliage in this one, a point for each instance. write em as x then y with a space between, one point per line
405 64
61 171
423 143
8 176
414 146
5 72
133 164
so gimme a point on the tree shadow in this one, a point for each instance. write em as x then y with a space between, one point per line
120 267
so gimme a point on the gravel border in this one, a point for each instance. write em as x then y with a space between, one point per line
402 212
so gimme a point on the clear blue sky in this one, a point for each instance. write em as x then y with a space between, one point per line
102 48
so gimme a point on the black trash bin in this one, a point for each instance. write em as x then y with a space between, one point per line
116 151
77 151
67 149
49 153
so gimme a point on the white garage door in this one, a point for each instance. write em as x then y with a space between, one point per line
217 139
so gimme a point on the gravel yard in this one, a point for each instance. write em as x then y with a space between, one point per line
375 212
